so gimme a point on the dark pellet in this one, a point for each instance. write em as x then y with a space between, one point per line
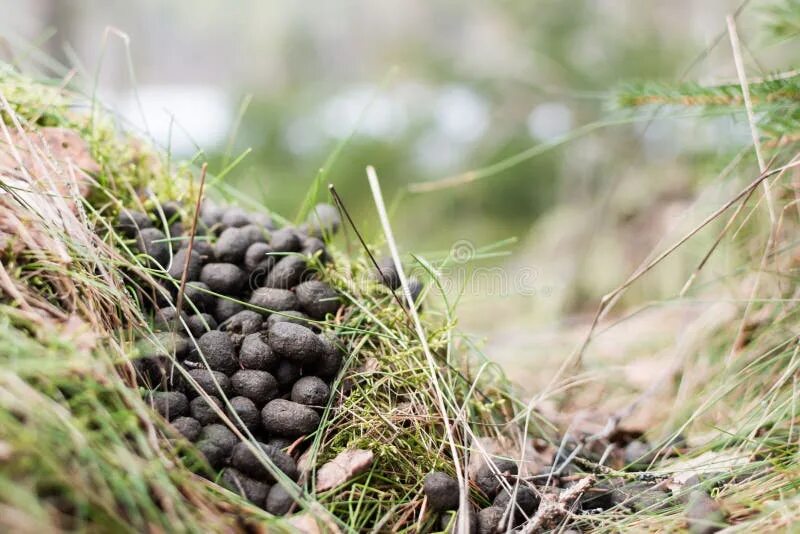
246 410
171 210
199 324
170 404
287 273
205 380
526 501
218 350
258 386
285 240
441 491
324 219
289 316
223 278
235 217
488 481
221 436
224 309
213 454
273 299
248 463
278 500
167 319
280 443
245 322
296 343
158 373
176 268
232 245
311 391
152 242
255 353
251 489
387 274
188 427
199 295
130 223
286 373
204 249
289 419
415 287
164 344
330 363
255 233
262 219
176 229
210 214
311 246
257 258
203 411
317 299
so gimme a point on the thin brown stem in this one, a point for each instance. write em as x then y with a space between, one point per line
179 302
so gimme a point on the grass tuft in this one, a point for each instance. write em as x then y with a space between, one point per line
79 448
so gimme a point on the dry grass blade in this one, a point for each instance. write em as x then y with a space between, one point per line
192 233
432 367
748 105
607 301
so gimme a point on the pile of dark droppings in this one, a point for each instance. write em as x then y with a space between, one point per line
249 333
493 483
269 359
386 274
509 500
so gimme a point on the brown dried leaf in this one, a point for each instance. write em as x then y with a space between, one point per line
66 145
42 152
304 463
370 366
308 524
344 467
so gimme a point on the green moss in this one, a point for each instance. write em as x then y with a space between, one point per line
132 174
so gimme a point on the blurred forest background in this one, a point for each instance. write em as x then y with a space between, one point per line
425 90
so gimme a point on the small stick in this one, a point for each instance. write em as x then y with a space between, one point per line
342 213
342 209
340 205
179 303
553 508
576 359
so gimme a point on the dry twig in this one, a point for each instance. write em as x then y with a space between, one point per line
554 508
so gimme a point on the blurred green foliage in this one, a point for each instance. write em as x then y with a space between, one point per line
577 52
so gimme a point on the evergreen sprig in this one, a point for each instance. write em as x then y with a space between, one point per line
784 19
776 100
